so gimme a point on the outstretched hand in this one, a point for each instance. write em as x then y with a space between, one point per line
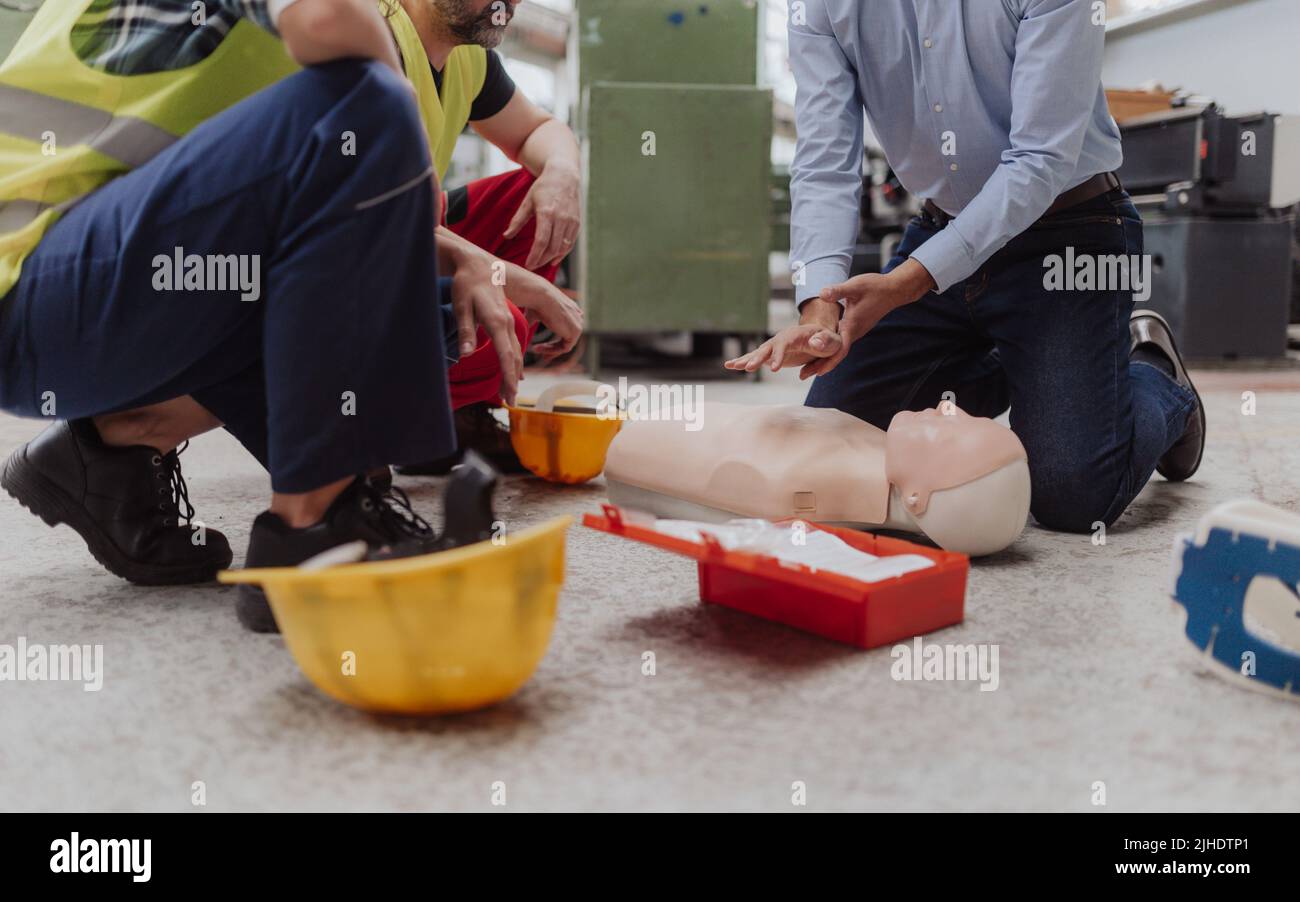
827 328
799 345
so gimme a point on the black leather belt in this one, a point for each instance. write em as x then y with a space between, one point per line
1096 186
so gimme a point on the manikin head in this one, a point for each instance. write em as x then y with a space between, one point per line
963 480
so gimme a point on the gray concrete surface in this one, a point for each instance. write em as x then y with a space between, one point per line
1097 682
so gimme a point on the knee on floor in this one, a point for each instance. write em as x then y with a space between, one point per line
1075 505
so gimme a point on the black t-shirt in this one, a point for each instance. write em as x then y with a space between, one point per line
498 89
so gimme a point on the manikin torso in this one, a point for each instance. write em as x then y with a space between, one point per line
961 481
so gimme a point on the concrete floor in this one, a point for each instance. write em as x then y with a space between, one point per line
1097 680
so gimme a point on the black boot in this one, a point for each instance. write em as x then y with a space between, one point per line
381 479
477 429
127 503
383 520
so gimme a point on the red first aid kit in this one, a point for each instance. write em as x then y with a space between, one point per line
832 605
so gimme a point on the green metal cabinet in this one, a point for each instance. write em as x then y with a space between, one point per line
668 41
677 239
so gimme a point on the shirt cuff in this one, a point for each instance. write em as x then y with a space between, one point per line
276 7
946 258
818 275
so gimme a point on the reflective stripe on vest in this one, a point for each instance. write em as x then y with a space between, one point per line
113 124
132 142
18 214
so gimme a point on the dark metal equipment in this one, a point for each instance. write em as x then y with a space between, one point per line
1217 195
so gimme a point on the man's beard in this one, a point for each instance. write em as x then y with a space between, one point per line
464 25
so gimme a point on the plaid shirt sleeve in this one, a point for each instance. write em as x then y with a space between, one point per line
136 37
260 11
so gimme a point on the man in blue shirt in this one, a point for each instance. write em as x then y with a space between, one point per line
993 111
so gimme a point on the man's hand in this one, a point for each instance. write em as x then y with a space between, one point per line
477 301
824 334
543 301
555 200
816 337
799 345
867 300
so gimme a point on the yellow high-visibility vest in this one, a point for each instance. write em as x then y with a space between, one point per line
67 129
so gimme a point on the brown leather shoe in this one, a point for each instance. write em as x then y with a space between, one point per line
1182 460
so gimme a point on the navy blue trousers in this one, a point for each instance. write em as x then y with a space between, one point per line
1093 422
338 366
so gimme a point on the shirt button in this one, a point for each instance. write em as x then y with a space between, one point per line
928 43
938 107
953 167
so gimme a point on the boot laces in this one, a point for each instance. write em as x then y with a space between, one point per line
178 504
396 517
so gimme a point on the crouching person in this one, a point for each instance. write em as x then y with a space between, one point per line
150 160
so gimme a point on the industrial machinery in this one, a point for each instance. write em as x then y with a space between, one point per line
1217 194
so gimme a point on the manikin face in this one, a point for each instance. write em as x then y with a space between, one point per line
481 22
947 427
936 449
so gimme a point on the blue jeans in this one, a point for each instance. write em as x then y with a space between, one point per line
338 366
1093 422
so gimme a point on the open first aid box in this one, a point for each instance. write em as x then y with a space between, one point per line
832 605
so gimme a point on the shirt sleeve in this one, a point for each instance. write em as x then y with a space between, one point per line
265 13
826 175
498 90
1054 83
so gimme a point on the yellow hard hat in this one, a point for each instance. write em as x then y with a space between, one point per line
439 633
566 446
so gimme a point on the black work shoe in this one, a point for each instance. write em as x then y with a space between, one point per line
383 520
127 503
381 479
477 429
1150 330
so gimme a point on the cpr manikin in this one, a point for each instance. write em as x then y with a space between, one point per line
959 480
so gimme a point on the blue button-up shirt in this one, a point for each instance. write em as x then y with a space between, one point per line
989 108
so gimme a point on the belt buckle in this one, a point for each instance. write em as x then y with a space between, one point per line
936 216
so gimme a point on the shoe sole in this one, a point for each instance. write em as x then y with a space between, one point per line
1200 405
54 506
254 611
